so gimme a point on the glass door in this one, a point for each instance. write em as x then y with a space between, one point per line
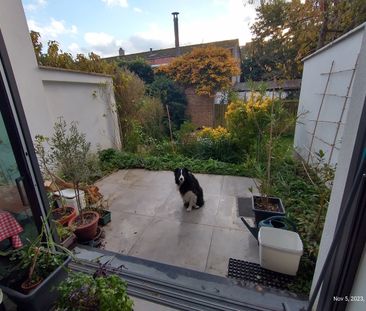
16 219
23 201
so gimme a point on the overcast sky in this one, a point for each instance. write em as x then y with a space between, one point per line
103 26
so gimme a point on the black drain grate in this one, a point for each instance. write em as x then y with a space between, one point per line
248 271
245 207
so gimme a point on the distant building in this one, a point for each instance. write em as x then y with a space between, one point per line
164 56
200 109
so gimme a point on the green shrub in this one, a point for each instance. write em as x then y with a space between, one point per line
172 95
81 291
306 204
113 160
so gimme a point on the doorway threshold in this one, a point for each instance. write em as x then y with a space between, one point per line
182 288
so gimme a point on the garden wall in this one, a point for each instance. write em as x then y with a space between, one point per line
83 97
200 109
325 96
341 52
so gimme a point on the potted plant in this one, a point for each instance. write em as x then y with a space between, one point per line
100 291
70 151
272 120
66 236
64 213
38 269
96 203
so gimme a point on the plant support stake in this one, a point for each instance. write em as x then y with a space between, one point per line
170 127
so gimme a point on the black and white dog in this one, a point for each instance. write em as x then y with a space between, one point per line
189 189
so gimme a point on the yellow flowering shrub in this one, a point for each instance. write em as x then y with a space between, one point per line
247 119
214 133
252 107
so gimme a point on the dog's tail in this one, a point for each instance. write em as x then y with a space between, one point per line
200 201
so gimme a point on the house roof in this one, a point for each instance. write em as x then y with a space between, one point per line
270 85
172 52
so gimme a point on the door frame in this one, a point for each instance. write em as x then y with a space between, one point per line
20 138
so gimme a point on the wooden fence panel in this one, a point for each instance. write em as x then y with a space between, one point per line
219 112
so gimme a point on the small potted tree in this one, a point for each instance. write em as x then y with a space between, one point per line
70 151
64 213
271 120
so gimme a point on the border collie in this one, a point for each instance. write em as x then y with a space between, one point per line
189 189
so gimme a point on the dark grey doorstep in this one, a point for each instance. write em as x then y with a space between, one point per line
186 289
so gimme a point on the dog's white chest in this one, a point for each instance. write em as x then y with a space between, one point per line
189 197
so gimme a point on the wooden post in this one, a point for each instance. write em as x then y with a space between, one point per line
170 127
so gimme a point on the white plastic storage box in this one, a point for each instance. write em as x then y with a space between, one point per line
279 250
69 197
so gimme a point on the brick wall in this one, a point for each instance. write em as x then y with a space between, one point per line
200 109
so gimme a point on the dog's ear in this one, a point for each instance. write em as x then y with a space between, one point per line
176 171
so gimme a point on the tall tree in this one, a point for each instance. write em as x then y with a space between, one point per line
207 69
286 31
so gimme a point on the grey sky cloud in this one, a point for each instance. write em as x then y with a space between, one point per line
140 44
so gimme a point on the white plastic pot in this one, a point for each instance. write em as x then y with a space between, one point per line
279 250
69 198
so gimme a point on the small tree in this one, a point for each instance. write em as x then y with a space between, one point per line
70 151
171 95
46 163
207 69
140 67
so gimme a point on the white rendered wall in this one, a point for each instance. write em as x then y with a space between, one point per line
343 53
85 98
352 122
19 48
47 94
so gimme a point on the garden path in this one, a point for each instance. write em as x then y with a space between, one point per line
149 221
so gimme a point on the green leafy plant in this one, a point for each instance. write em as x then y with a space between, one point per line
39 257
64 232
47 164
100 291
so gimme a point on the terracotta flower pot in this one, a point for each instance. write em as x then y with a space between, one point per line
64 220
85 231
27 286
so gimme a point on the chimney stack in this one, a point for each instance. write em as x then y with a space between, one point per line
121 52
176 32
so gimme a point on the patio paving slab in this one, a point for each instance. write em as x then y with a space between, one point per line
171 241
149 221
222 249
124 230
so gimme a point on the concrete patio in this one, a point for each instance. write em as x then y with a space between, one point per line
149 221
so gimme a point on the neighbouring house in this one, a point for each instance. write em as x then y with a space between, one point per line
164 56
200 109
